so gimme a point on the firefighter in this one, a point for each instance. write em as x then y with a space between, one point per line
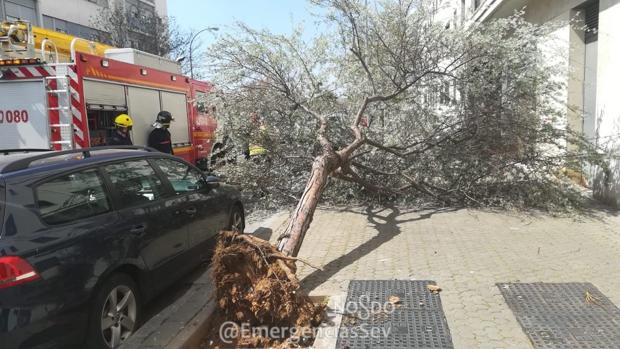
120 135
160 136
255 147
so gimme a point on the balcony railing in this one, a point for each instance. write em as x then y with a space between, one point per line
485 9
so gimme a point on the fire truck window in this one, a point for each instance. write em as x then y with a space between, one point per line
201 106
201 102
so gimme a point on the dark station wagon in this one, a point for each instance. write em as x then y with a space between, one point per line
89 236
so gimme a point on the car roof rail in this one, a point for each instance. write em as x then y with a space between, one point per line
24 163
26 150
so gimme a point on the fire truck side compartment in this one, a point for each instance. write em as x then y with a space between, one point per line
26 98
104 93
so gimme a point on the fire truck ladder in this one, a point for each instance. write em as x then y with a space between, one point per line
16 39
58 86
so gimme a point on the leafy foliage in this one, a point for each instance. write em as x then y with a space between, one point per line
410 110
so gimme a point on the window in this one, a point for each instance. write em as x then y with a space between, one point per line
591 21
135 182
201 102
25 11
183 178
55 24
75 196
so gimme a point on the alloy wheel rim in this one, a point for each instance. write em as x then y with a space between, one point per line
237 222
118 316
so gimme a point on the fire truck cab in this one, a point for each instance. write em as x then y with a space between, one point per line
59 96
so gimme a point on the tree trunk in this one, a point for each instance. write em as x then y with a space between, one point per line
293 236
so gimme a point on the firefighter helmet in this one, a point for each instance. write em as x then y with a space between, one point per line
123 120
164 118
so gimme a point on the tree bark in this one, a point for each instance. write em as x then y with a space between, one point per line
291 239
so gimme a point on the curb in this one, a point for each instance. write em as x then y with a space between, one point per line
180 323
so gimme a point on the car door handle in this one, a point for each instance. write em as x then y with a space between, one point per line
191 211
138 229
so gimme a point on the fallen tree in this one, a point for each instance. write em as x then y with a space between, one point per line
392 100
396 102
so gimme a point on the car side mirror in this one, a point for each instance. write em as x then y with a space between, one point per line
212 181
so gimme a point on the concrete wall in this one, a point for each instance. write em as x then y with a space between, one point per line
569 44
161 6
542 11
607 185
604 125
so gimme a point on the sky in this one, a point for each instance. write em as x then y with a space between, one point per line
279 16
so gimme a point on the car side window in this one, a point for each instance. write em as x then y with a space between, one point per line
72 197
183 178
135 182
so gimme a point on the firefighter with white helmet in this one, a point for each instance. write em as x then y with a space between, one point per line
120 136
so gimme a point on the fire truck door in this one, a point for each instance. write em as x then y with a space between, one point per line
176 103
143 108
24 120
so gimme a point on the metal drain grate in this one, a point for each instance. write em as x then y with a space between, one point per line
557 315
417 322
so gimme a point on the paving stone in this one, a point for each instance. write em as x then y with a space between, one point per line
467 252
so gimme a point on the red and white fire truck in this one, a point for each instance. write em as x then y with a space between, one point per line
46 103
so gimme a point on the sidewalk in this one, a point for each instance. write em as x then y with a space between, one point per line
467 252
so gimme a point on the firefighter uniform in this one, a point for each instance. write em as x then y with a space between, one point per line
118 138
160 138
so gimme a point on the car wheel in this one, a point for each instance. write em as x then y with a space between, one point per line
115 312
237 220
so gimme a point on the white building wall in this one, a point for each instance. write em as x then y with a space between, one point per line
608 74
602 99
607 185
593 109
161 6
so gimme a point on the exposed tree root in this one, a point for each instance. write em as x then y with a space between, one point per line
257 287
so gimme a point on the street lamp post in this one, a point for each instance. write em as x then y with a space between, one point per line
191 42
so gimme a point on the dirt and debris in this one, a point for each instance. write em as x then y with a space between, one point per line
256 287
433 288
395 300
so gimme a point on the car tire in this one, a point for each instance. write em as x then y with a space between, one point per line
236 221
108 328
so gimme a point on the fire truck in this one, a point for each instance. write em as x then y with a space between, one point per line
62 92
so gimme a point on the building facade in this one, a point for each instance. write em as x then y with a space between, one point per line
591 58
73 16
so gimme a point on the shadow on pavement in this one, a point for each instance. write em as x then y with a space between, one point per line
263 233
387 228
